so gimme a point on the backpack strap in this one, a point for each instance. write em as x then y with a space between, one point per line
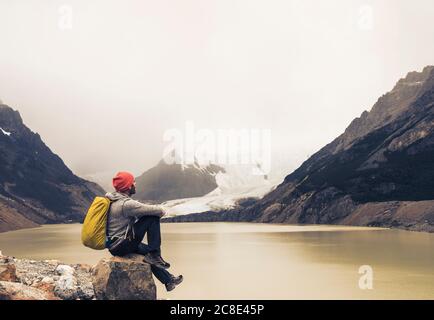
107 239
129 233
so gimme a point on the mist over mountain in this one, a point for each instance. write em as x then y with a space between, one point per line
36 186
379 172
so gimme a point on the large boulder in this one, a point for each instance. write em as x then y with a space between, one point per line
124 278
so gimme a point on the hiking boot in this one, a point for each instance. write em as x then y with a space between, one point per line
174 282
165 262
155 260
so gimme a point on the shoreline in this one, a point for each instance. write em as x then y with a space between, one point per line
195 218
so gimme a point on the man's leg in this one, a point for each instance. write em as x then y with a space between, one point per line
162 275
152 251
149 225
143 248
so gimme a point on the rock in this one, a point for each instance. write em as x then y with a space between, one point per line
46 287
8 272
55 279
47 280
66 287
6 259
52 262
83 267
85 285
63 269
19 291
86 292
124 278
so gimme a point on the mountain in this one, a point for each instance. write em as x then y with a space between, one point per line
379 172
176 181
36 187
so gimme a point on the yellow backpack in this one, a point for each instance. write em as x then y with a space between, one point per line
93 232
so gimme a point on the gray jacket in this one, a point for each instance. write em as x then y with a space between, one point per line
123 210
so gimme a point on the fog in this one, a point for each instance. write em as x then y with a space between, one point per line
102 81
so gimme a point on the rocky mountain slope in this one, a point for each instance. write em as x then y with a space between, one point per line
379 172
36 187
176 181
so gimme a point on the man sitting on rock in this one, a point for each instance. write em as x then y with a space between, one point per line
128 222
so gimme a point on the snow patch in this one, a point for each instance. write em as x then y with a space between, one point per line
5 132
196 166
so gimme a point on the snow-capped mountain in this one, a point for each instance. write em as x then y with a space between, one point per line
35 185
175 181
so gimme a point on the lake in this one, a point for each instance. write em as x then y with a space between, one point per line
263 261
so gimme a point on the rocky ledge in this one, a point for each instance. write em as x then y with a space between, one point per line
127 278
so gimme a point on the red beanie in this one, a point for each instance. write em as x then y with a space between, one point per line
123 181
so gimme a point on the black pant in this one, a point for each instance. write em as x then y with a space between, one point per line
149 225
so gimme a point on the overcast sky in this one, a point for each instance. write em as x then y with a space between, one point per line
101 81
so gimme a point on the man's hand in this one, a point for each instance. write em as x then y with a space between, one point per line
164 210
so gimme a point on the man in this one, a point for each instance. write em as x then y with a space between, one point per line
129 221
